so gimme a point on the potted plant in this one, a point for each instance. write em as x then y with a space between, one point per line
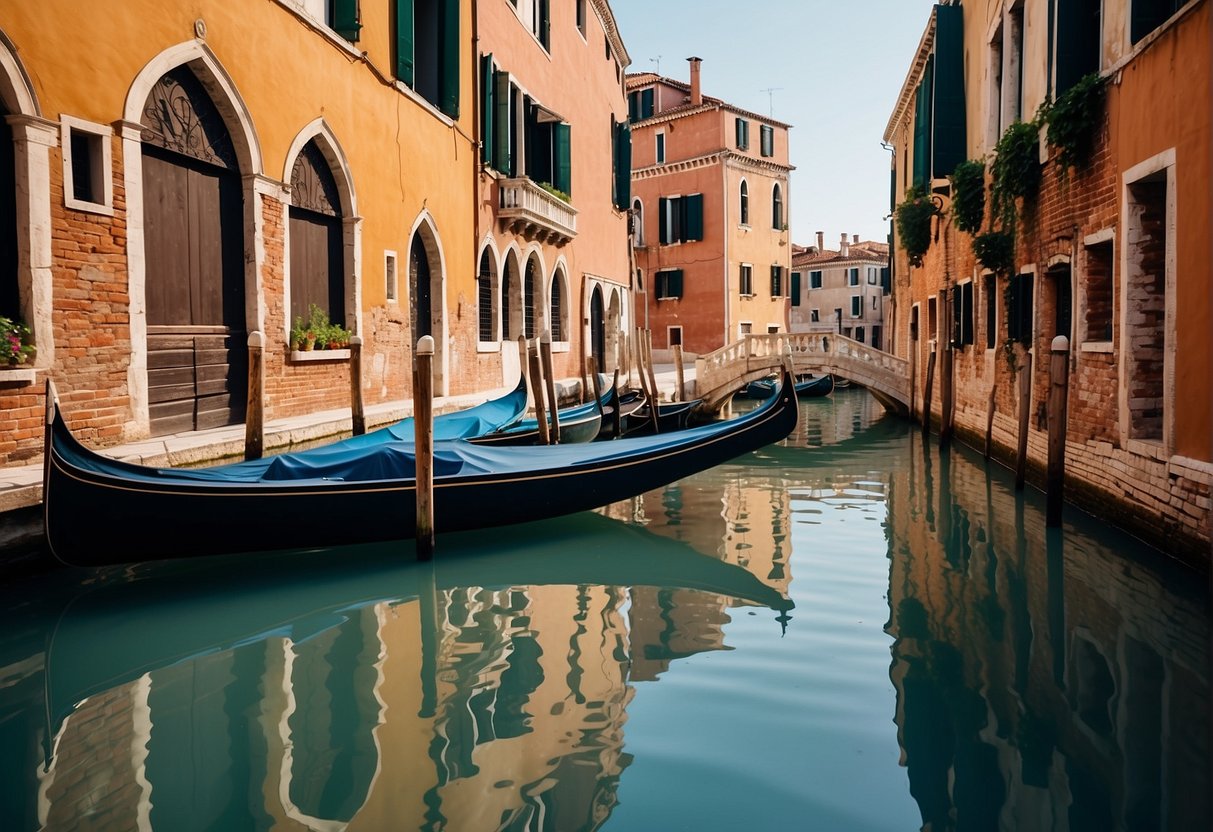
16 344
325 335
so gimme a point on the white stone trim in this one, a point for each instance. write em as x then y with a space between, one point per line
105 165
33 137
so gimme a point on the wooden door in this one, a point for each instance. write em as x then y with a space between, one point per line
197 351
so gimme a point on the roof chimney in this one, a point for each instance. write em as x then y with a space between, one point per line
696 92
844 248
854 239
821 241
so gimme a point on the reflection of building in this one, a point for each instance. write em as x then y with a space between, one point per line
840 291
1111 253
1035 682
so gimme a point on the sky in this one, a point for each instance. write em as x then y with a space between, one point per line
835 71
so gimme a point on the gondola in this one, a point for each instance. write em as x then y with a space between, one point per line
807 387
671 416
581 423
99 510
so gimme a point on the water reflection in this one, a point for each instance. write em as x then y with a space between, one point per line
949 664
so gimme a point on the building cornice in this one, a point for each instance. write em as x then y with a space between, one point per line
643 79
678 167
905 101
603 9
744 162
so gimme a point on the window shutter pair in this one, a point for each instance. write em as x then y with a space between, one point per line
743 134
345 19
669 284
448 51
680 218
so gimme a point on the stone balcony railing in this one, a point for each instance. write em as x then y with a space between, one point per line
529 210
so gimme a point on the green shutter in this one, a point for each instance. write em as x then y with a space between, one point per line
501 99
623 166
693 224
1078 42
449 35
564 169
488 103
345 19
676 283
922 130
545 23
794 289
948 119
646 103
663 225
633 106
404 41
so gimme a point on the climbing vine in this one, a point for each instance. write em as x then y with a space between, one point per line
995 251
1073 121
914 224
1015 171
969 195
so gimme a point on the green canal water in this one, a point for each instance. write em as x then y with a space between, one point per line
848 631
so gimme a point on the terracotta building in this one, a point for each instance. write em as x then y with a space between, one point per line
195 175
552 237
710 204
840 290
1110 248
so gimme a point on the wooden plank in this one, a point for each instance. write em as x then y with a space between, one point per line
165 235
167 359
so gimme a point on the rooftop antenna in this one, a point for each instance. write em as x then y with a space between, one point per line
770 91
657 61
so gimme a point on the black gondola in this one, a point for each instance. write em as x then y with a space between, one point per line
99 511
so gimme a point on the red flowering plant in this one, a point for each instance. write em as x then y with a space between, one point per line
16 345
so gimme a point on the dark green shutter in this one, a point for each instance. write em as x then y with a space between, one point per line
693 224
948 119
957 317
404 41
623 166
1078 42
767 142
448 100
488 90
633 106
501 98
545 23
794 288
345 19
922 131
663 225
675 284
564 168
646 103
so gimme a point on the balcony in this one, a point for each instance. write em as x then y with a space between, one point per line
529 210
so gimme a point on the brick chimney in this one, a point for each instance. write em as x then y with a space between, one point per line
821 241
854 239
696 91
844 247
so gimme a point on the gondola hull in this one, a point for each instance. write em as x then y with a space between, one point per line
101 511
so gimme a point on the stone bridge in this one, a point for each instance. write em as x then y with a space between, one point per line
721 373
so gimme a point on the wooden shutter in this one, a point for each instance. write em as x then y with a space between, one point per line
623 166
794 289
449 83
404 41
488 104
663 223
922 130
563 175
633 106
646 103
692 226
501 100
545 23
768 140
966 331
675 283
345 19
948 118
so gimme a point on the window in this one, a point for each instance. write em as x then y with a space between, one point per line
391 284
853 276
875 299
556 308
745 283
661 148
639 280
1148 15
426 50
532 303
535 15
317 263
1100 290
872 275
743 134
856 306
681 218
815 280
795 289
767 137
498 121
745 328
989 286
581 17
772 329
962 314
1077 41
640 104
1019 315
343 18
858 334
621 143
745 203
776 281
669 284
674 336
637 223
1149 231
484 297
814 315
87 155
777 208
548 146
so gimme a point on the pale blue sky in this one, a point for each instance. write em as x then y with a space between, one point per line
840 67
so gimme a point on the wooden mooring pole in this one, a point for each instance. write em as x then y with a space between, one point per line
545 356
946 401
1059 385
926 393
254 418
357 410
423 417
648 360
679 381
1025 406
990 419
535 371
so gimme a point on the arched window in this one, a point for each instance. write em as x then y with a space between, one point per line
745 203
484 296
317 265
531 303
777 208
637 223
557 307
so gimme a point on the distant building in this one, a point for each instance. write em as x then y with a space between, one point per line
840 291
711 203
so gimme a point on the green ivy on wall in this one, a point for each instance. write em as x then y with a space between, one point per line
969 195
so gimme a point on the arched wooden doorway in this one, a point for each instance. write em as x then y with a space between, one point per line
194 254
598 329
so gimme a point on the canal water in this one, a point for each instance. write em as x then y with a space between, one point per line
847 631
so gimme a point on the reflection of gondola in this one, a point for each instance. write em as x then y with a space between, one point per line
115 632
98 510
